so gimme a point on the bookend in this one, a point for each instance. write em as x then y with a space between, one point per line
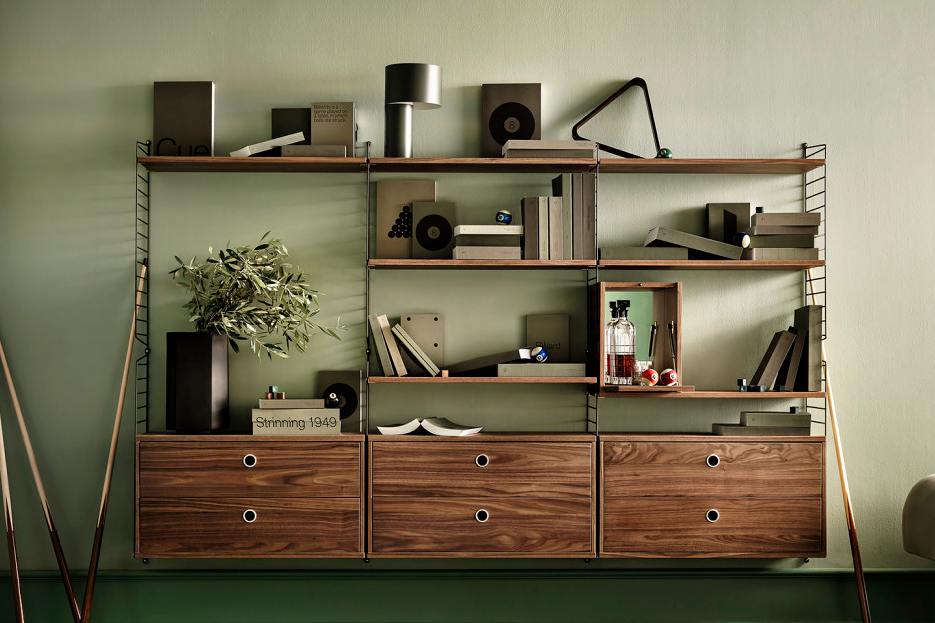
635 82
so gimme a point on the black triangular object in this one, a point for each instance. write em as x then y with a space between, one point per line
635 82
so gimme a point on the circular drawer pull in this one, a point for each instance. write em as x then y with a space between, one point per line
482 460
712 515
713 460
249 460
249 515
481 515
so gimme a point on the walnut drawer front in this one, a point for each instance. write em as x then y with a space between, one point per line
219 527
517 469
711 527
279 469
481 527
712 469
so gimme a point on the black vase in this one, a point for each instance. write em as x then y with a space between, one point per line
196 382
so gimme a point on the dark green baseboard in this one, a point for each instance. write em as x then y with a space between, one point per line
541 596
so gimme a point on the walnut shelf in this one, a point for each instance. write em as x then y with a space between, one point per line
483 379
728 166
254 164
486 264
712 264
702 393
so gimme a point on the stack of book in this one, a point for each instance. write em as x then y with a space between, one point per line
487 242
398 352
783 236
534 148
792 422
295 416
561 226
792 361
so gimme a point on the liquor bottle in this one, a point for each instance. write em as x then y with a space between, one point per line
624 346
609 336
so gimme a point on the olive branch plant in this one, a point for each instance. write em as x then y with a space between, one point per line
250 294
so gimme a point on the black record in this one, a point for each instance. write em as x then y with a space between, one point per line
434 232
511 120
341 396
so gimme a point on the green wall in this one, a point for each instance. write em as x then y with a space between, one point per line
728 79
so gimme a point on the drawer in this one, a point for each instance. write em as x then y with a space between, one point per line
280 469
712 469
680 527
452 526
216 528
503 469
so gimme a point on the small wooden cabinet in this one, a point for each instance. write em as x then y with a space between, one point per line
685 496
240 496
483 496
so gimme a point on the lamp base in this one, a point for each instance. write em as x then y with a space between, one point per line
398 143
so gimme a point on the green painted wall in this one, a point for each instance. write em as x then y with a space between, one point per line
728 79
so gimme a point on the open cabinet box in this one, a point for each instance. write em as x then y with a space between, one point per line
649 301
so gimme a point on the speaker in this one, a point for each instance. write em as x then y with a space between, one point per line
433 226
509 111
342 389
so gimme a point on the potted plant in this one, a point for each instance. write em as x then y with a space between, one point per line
245 294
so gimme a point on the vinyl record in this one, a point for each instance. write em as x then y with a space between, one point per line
511 120
342 396
434 232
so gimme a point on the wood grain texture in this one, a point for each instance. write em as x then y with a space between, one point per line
713 264
448 526
713 393
284 528
253 164
746 527
730 166
430 380
513 470
206 469
482 165
680 469
486 264
516 436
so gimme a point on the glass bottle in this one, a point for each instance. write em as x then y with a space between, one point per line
609 335
624 346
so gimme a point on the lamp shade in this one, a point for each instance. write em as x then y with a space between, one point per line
416 84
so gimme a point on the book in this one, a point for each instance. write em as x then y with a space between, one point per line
800 419
379 342
428 331
551 332
571 213
480 240
588 187
766 431
292 403
313 151
398 365
296 421
701 246
488 363
285 121
415 350
394 215
644 253
768 369
556 229
532 369
486 253
567 228
183 118
488 230
761 230
544 223
258 148
530 148
726 219
790 366
334 123
788 254
793 219
782 241
807 320
432 425
530 209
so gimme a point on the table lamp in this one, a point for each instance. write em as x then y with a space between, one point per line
408 86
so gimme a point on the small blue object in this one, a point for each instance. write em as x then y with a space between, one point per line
665 152
742 239
504 217
539 354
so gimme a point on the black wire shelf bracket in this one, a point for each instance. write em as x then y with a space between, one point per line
141 258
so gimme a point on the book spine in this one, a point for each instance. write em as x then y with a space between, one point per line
544 228
296 421
589 206
789 219
556 229
391 346
799 420
808 321
292 403
530 208
486 253
768 369
383 354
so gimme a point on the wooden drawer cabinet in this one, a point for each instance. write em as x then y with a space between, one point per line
489 496
238 496
705 496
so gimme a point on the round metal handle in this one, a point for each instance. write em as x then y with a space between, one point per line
482 460
249 460
712 515
481 515
713 460
249 515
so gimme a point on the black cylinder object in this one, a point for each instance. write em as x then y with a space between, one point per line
196 382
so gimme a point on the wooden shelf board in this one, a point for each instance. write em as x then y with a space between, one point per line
254 164
636 393
533 264
707 437
377 437
229 437
481 165
713 264
483 379
710 165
